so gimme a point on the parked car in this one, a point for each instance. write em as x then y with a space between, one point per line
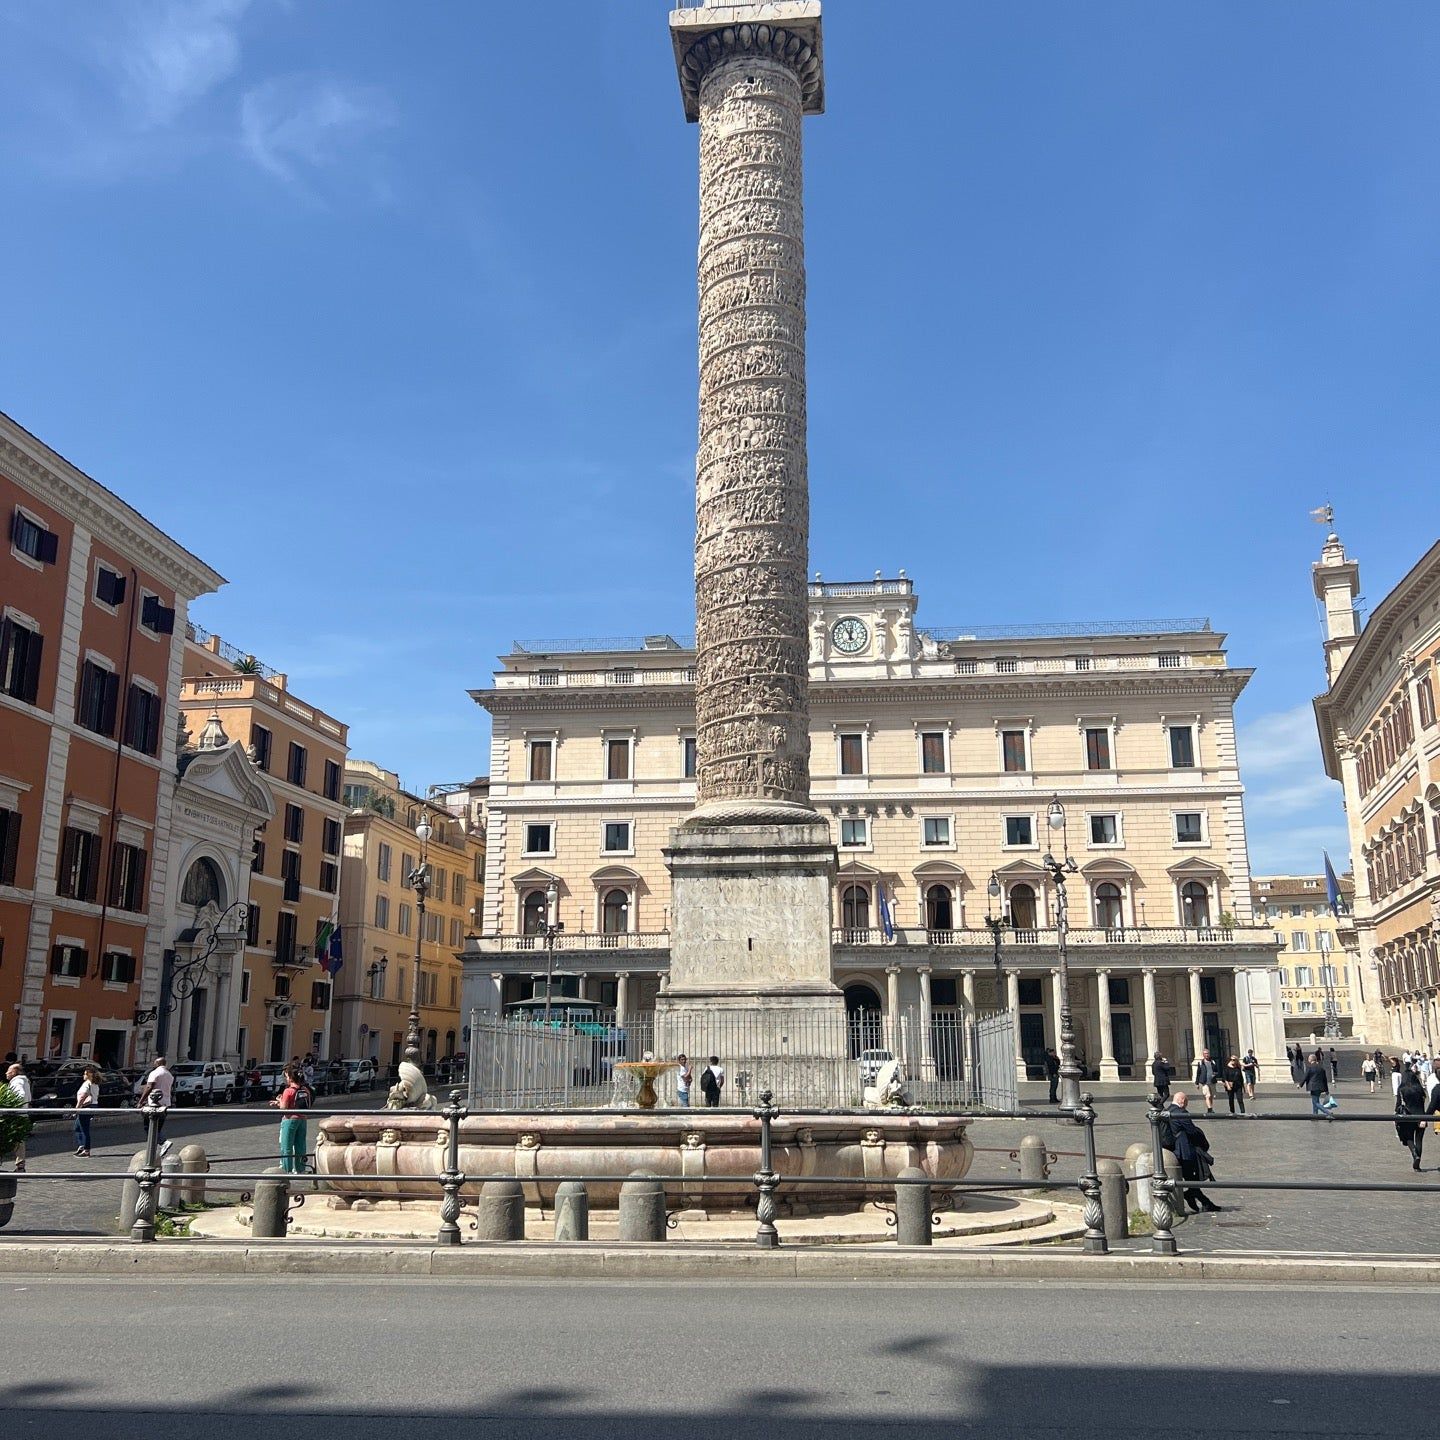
871 1063
59 1089
204 1082
272 1077
359 1075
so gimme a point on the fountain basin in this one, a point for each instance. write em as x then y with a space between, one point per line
401 1157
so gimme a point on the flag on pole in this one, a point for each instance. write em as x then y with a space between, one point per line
887 924
337 956
322 937
1332 886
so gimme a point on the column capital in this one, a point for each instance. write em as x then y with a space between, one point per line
1102 969
969 972
704 36
1148 970
925 969
622 974
892 969
1197 969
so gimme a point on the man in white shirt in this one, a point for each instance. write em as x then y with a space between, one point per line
159 1086
19 1082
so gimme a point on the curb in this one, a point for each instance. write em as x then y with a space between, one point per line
592 1261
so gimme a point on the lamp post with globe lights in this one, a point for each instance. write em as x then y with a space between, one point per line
1057 871
419 881
552 927
994 923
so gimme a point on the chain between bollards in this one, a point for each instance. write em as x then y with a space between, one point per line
451 1178
1094 1242
1162 1187
766 1236
148 1177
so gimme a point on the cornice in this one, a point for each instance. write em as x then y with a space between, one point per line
1226 683
86 501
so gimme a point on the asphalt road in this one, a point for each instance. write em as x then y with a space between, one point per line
107 1359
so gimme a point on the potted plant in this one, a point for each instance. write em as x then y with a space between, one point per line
13 1129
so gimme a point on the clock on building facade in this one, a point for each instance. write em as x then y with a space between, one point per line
850 635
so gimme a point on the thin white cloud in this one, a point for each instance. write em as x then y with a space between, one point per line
1281 740
297 125
1293 809
174 53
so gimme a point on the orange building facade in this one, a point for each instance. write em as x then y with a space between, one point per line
93 606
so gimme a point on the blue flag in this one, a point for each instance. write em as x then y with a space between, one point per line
337 958
1332 886
886 923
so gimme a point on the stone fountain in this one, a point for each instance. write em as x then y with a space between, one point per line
753 866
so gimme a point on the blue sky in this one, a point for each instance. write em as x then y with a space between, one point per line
388 312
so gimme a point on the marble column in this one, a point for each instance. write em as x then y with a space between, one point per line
1109 1070
927 1043
1197 1015
1152 1018
622 997
582 987
1056 1001
892 1009
1012 1000
967 989
1244 1020
749 86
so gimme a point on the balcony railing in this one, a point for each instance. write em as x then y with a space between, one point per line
623 940
1077 935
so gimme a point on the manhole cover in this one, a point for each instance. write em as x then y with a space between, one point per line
1241 1224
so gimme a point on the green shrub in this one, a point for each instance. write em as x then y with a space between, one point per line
13 1128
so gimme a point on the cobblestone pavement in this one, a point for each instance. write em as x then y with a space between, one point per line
1253 1148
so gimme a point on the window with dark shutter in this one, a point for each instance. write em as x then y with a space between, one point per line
295 771
33 539
20 651
127 878
331 842
9 845
319 995
252 925
294 823
260 743
109 587
284 940
98 700
142 720
117 969
332 780
79 874
157 618
69 961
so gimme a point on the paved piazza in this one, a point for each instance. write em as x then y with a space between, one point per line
1383 1223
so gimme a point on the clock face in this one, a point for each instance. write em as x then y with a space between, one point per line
850 635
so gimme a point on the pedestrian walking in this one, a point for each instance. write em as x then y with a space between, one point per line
1233 1079
1207 1074
1317 1082
712 1081
1192 1150
1297 1067
1052 1073
1334 1066
1369 1072
19 1083
1160 1071
1397 1074
295 1097
683 1076
1410 1100
155 1099
1251 1066
87 1098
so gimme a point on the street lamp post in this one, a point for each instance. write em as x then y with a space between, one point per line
994 923
550 930
419 881
1058 870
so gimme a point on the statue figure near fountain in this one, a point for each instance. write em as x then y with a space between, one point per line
410 1092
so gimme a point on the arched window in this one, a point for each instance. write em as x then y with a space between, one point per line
1194 905
862 1008
1109 913
615 912
532 913
939 910
1022 907
855 907
202 885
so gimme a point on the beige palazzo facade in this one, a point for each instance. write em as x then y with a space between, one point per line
934 756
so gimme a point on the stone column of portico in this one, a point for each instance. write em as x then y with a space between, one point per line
1109 1070
1056 1001
967 989
1197 1014
927 1043
622 997
892 1009
1244 1020
1012 1001
1152 1018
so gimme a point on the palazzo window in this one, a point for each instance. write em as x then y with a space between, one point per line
939 908
854 834
1194 906
617 759
615 912
936 833
1012 751
20 651
1109 908
1182 747
542 761
1097 749
852 753
1023 909
1020 831
932 752
99 698
855 907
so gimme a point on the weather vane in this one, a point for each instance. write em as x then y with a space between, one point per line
1325 515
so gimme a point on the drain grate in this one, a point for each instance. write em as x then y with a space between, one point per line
1241 1224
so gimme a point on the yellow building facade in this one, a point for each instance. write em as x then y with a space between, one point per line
1316 970
935 754
1380 738
380 921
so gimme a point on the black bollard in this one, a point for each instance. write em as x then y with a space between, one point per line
270 1212
912 1208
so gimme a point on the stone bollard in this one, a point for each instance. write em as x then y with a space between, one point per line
1033 1162
193 1161
8 1188
912 1208
501 1213
642 1207
1112 1199
130 1194
572 1211
1179 1210
270 1212
172 1192
1133 1154
1144 1196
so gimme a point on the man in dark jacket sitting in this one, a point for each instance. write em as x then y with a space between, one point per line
1192 1150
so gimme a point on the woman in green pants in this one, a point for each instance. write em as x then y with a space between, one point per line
295 1097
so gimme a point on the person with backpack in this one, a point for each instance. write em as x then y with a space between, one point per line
294 1097
712 1081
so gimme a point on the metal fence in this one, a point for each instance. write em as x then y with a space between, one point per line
816 1057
